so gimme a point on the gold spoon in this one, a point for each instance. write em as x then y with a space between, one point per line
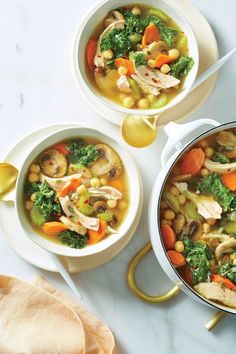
8 177
141 131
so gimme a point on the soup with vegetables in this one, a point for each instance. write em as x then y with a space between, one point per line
138 57
198 217
76 192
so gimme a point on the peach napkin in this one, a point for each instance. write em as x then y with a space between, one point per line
39 319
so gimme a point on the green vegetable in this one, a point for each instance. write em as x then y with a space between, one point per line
160 101
106 216
36 216
172 201
230 228
133 23
221 158
135 38
117 40
157 12
167 34
139 59
190 211
82 154
84 207
213 185
182 66
46 200
135 88
227 270
72 239
197 256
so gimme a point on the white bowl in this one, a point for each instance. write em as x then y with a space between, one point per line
84 32
134 194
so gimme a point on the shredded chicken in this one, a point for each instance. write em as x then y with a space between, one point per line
225 247
216 292
219 168
123 84
156 78
73 226
106 192
215 235
55 183
146 87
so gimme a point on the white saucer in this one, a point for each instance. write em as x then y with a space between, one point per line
15 235
208 54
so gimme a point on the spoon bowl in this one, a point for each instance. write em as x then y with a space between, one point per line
8 177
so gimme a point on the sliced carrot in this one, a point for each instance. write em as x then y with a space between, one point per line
69 186
163 59
216 278
230 180
192 161
151 34
176 258
96 236
62 147
127 63
90 52
168 237
187 275
54 227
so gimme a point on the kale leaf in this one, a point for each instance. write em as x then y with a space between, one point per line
82 154
213 185
197 256
72 239
117 40
46 200
133 23
220 157
139 59
182 66
227 270
168 34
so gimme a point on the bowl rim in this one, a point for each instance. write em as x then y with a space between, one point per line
89 92
154 217
134 198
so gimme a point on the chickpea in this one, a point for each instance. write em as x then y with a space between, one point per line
33 197
35 168
122 70
122 96
203 143
94 182
128 102
174 53
151 63
169 214
166 222
33 177
122 205
151 98
108 54
204 172
164 205
111 203
136 11
179 246
174 190
181 199
143 103
81 189
211 221
165 69
29 205
206 227
103 181
209 151
232 256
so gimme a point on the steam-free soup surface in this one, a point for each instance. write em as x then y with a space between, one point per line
138 57
76 192
198 217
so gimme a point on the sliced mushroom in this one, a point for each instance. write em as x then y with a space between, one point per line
108 163
220 168
100 207
53 163
225 247
113 17
193 229
178 223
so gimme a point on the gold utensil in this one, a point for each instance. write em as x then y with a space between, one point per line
8 177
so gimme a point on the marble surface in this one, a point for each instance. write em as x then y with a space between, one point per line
37 88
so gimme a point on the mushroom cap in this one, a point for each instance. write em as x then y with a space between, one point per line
225 247
53 163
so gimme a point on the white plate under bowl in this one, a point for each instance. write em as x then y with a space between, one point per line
208 55
26 248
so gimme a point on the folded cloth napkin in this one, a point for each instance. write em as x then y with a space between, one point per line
39 319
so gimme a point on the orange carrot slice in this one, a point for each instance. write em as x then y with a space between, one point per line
230 180
221 280
192 161
176 258
54 227
69 186
163 59
151 34
127 63
90 52
96 236
62 147
168 237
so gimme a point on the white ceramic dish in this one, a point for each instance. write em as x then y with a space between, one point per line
94 17
29 250
176 133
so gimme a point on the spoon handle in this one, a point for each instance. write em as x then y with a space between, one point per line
207 73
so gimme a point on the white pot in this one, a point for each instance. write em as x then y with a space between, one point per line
85 30
175 133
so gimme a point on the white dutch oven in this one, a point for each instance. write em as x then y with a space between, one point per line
85 30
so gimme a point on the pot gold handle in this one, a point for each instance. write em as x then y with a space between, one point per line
214 321
134 287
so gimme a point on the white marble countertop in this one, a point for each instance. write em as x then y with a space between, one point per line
37 88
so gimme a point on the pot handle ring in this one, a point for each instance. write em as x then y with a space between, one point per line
175 132
157 299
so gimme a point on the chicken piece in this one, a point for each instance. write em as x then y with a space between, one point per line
156 78
225 247
216 292
146 87
113 17
55 183
123 84
73 226
220 168
106 192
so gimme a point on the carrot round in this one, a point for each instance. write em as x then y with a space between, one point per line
176 258
163 59
221 280
127 63
168 237
69 186
187 275
96 236
230 180
54 227
151 34
62 147
90 52
192 161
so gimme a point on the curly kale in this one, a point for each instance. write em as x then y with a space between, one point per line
72 239
220 157
167 33
117 40
46 200
139 59
227 270
82 154
182 66
133 23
